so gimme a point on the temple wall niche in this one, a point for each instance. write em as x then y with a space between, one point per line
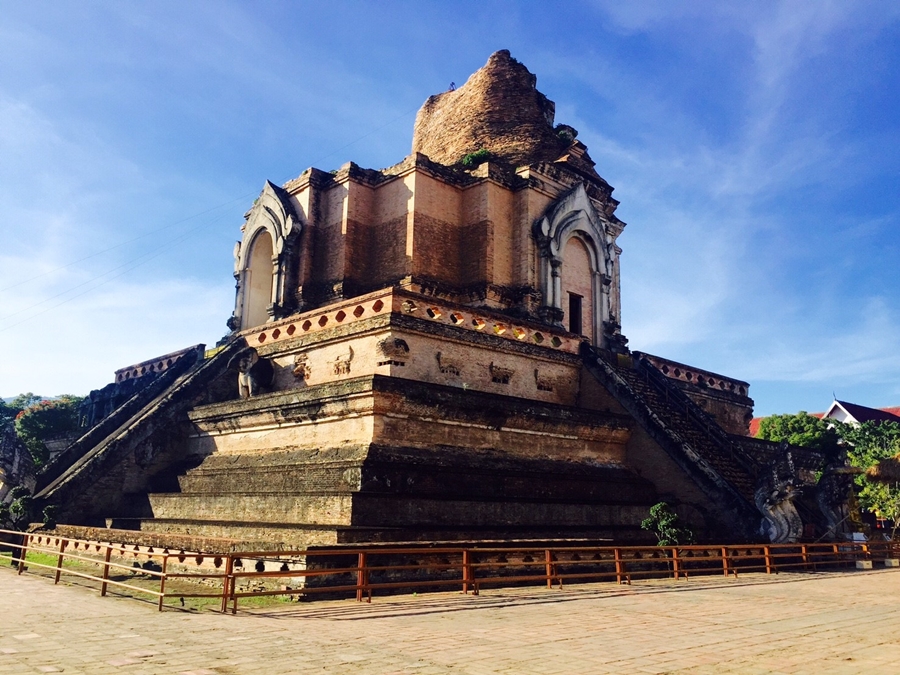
534 204
577 288
500 215
356 231
329 252
436 234
388 232
258 281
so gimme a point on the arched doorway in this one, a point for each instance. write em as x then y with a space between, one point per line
577 281
257 281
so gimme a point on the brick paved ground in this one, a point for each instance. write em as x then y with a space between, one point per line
789 623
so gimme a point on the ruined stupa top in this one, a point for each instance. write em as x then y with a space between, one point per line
498 109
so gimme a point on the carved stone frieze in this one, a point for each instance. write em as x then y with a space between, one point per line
341 365
301 369
500 375
448 365
545 381
392 352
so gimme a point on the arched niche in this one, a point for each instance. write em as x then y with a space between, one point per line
578 256
577 282
257 281
266 258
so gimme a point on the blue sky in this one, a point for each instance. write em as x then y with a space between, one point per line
754 148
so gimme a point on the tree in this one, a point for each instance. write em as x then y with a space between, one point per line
8 413
664 523
22 401
867 445
44 420
803 430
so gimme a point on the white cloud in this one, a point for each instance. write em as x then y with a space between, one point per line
79 345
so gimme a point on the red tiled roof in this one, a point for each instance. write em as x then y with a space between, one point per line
754 425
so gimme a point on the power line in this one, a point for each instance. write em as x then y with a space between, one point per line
188 218
146 257
103 274
159 252
119 245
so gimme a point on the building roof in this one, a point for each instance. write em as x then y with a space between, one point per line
861 413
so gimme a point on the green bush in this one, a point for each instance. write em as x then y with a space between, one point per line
665 524
475 159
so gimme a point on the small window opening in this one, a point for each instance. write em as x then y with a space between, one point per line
575 313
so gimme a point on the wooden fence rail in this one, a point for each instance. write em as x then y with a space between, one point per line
361 571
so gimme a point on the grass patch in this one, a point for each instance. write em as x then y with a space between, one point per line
34 562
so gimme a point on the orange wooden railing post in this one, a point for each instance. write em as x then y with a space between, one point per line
227 581
361 576
725 561
768 555
675 569
22 550
620 566
59 560
466 570
106 558
162 582
548 567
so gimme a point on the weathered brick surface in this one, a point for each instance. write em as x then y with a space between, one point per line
499 109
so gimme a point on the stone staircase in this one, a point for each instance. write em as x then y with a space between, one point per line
687 433
105 472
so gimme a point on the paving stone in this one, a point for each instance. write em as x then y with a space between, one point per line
823 623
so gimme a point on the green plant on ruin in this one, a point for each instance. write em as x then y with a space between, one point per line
50 516
666 525
565 132
475 159
15 514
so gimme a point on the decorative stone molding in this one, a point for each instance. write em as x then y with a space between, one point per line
501 375
301 369
574 215
272 213
392 352
447 366
341 365
157 365
544 381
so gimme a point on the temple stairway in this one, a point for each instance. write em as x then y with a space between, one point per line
690 436
109 469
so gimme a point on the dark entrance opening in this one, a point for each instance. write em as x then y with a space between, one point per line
575 313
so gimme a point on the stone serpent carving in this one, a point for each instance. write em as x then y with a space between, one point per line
777 487
833 496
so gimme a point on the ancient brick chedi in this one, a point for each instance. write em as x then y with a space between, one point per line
430 351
